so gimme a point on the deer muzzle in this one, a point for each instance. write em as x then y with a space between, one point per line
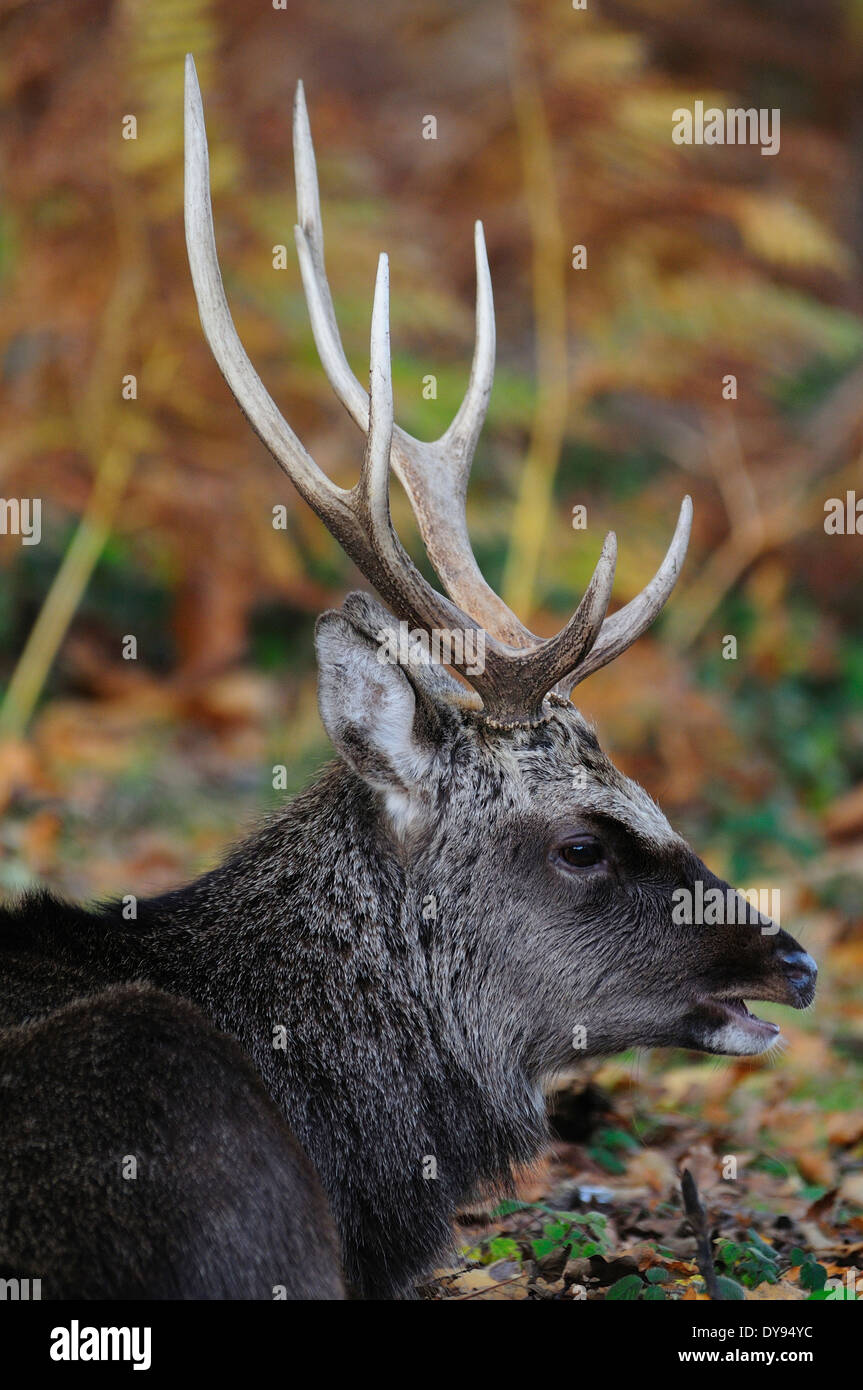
758 961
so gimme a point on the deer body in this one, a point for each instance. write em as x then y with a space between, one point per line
384 976
316 926
428 967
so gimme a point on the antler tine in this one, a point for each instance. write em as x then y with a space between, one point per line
462 435
536 672
309 237
628 623
252 396
434 474
373 487
395 575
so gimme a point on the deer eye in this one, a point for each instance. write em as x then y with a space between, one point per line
582 853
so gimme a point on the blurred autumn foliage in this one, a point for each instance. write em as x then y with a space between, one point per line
554 127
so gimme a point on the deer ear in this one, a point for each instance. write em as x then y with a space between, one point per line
369 707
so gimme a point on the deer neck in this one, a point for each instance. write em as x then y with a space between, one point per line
309 945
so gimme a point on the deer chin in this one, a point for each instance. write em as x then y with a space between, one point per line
726 1026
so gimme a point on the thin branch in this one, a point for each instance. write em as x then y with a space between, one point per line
97 430
533 506
698 1221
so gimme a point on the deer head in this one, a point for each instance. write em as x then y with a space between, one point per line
554 882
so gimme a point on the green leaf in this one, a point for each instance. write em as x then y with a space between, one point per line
761 1245
508 1206
657 1275
615 1139
812 1275
608 1161
626 1289
730 1289
543 1247
556 1230
729 1253
760 1270
503 1248
653 1295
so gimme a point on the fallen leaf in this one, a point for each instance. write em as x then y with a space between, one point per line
851 1188
780 1291
652 1166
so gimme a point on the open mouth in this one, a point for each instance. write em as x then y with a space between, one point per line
727 1026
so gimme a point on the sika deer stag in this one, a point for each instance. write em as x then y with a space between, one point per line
364 999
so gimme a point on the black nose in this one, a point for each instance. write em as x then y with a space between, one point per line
801 973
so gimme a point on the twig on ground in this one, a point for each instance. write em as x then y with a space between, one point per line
698 1221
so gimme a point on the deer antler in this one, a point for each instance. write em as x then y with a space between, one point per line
520 669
